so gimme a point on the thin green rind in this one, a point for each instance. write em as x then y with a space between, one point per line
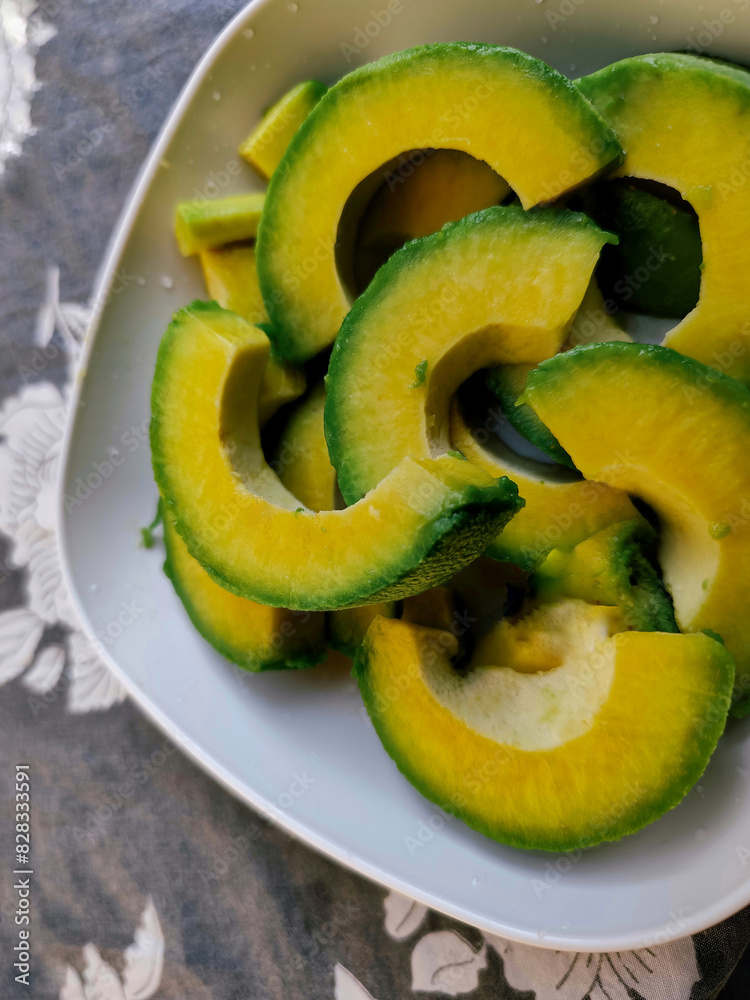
457 536
246 658
284 330
398 265
675 62
553 371
708 730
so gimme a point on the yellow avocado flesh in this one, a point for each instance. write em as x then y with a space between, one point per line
252 635
547 636
498 287
202 225
426 521
457 96
684 121
417 198
301 460
232 280
677 434
592 323
565 758
560 510
266 144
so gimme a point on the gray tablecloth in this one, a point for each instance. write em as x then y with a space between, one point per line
148 879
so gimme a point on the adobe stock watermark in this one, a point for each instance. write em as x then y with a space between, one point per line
239 845
100 471
299 784
715 27
364 34
97 821
565 10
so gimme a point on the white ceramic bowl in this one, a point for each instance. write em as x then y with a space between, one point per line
297 746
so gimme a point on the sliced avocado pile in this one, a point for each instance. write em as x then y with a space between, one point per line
548 647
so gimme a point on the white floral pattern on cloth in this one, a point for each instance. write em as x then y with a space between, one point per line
144 962
21 36
403 916
564 975
444 962
32 425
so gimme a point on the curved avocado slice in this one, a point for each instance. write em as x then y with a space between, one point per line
560 510
683 123
428 519
500 286
656 266
251 635
677 434
589 750
424 98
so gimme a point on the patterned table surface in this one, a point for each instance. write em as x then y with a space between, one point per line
148 879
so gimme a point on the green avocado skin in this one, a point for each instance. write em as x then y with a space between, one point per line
656 267
506 384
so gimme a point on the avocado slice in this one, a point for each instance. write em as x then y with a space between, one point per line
586 751
251 635
677 434
428 519
499 286
202 225
431 97
266 144
232 280
656 266
683 122
561 509
615 566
